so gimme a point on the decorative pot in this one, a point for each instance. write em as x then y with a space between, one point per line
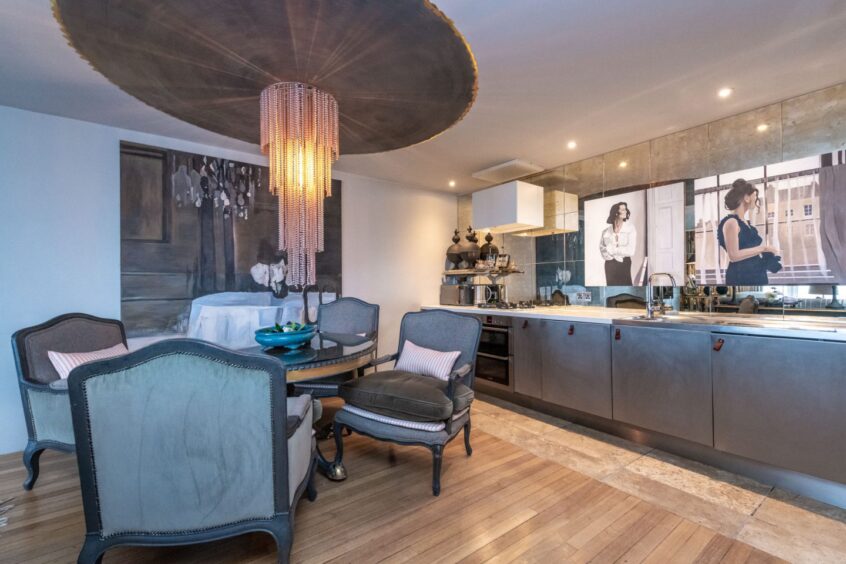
454 251
470 248
488 250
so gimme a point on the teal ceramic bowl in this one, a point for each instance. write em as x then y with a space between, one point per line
268 337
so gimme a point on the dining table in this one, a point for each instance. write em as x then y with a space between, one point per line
327 354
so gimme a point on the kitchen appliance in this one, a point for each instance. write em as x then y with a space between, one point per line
489 293
495 359
457 294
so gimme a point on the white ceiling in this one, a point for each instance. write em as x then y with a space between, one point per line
606 73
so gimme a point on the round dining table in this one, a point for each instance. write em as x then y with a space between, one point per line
327 354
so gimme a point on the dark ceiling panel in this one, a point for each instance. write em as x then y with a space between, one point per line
399 69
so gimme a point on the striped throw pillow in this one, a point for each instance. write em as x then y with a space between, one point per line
428 362
65 362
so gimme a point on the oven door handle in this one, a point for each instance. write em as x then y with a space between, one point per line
494 329
493 356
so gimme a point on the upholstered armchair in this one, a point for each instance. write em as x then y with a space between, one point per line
344 315
414 409
184 442
43 393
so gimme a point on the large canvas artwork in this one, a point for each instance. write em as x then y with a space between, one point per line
194 225
778 224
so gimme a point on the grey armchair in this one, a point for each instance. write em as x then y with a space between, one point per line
185 442
344 315
412 409
43 394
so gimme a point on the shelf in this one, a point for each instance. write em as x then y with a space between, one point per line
486 272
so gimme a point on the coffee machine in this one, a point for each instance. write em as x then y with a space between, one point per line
489 294
458 294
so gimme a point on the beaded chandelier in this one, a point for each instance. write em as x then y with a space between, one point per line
299 133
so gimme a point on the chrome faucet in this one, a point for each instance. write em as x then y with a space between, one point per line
650 301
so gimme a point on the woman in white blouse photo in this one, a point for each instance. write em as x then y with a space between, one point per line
618 245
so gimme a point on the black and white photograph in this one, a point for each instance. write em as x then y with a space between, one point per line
615 240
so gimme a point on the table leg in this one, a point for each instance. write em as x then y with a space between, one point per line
332 469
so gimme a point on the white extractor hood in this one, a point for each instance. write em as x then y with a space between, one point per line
513 206
560 214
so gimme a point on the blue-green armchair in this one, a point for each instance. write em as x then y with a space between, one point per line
185 442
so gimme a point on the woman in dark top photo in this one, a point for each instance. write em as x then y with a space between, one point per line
741 241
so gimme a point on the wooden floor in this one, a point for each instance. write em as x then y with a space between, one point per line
503 504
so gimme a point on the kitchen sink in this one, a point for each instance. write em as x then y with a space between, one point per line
744 321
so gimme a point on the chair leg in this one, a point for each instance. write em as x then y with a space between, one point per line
467 446
31 456
437 454
91 552
284 541
311 490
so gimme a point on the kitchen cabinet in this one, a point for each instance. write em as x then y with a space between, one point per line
662 381
781 401
528 355
576 371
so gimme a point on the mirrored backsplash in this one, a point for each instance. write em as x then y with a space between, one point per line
661 185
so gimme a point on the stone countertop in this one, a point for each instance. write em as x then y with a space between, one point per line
588 314
819 328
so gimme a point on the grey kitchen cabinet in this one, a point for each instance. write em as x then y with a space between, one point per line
781 401
528 354
662 381
576 370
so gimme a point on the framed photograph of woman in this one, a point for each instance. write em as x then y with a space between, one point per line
615 237
778 224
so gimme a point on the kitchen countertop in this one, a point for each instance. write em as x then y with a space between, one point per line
588 314
805 327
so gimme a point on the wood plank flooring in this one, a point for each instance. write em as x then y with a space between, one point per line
503 504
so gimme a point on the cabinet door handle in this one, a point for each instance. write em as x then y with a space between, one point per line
493 356
525 323
718 344
571 330
617 335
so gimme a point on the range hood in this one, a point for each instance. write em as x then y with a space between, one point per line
509 170
560 214
513 206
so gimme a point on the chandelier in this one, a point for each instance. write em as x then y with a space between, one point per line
299 133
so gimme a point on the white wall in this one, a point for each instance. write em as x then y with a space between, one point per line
394 243
60 235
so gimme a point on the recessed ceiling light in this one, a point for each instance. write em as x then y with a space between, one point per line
623 164
725 92
762 127
452 183
571 144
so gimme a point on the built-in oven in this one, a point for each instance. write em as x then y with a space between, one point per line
494 361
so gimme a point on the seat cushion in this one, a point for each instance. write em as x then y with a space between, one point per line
404 395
